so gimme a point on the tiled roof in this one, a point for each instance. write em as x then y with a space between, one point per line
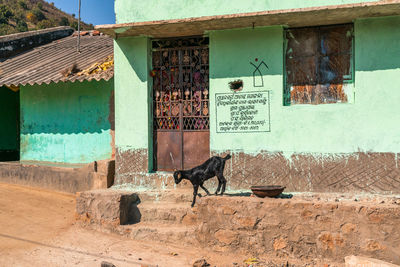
54 62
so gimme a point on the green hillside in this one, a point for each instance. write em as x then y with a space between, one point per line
27 15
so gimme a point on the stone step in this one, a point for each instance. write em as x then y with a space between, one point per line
149 231
167 212
173 195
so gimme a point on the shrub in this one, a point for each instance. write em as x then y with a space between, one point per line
44 24
40 5
38 14
64 21
22 26
31 17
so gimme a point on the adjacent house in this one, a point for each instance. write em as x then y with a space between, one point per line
57 102
301 93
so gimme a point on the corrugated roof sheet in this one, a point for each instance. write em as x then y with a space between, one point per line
47 63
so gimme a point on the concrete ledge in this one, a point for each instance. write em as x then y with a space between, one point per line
16 43
59 177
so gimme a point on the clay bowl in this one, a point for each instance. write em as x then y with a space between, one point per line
267 191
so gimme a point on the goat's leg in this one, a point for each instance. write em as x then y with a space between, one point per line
219 186
195 189
223 186
223 181
205 189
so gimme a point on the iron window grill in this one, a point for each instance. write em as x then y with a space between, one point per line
181 84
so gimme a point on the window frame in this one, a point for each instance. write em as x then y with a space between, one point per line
286 97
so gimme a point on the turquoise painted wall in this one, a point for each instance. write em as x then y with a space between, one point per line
66 122
132 93
8 119
135 11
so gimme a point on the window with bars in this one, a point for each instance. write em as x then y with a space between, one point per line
319 62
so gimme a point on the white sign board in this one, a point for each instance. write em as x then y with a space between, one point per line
243 112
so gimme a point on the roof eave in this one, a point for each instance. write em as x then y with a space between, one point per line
299 17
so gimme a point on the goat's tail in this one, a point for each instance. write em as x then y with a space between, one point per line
227 157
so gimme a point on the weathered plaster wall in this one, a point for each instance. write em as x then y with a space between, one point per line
8 119
330 147
134 11
66 122
132 107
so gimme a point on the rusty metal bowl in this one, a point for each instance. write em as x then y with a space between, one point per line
267 190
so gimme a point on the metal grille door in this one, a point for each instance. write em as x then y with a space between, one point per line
181 102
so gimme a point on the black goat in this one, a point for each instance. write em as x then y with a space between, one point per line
198 175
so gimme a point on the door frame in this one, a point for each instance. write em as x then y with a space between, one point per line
180 132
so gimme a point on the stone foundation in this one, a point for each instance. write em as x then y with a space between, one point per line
319 229
106 207
297 228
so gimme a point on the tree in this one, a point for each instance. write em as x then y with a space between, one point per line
40 5
64 21
22 4
74 25
5 14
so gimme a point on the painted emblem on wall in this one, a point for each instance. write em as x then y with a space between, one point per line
259 69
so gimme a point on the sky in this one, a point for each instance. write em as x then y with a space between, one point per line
96 12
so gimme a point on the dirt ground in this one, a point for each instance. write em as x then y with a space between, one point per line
37 229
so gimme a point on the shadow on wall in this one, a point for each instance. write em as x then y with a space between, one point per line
9 121
67 108
134 52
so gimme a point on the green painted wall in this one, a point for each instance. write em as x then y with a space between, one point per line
368 123
132 94
8 119
134 11
66 122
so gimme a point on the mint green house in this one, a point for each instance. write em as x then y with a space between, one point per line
50 110
301 93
